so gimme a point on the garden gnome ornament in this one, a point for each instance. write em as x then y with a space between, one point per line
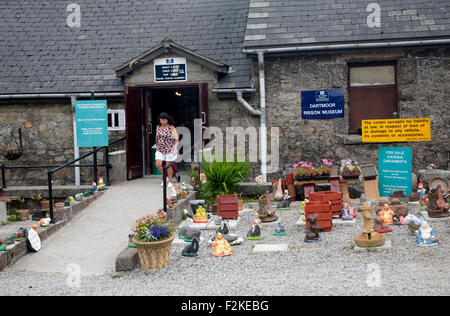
426 235
221 247
421 190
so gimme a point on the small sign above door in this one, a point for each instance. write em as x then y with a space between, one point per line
170 69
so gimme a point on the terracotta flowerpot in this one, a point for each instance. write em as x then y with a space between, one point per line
45 205
24 214
154 255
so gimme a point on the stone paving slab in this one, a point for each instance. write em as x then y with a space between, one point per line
387 245
267 248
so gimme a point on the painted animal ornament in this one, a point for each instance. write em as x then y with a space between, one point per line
277 190
224 229
312 234
192 249
255 230
426 236
380 227
221 247
280 230
286 203
200 215
44 222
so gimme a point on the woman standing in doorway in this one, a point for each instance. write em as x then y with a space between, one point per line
166 144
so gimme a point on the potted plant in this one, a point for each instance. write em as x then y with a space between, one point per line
153 239
304 171
222 177
324 171
350 171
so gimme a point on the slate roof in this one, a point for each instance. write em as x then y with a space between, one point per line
303 22
40 54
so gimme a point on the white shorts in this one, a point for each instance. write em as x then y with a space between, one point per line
165 157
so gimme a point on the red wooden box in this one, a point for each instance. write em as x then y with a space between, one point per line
317 208
325 196
228 206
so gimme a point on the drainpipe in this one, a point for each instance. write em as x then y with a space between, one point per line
247 106
263 129
76 149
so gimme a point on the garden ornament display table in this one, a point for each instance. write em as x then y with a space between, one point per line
308 186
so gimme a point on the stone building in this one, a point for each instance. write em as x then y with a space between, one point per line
246 64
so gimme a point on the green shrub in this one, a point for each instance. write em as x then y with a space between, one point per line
222 178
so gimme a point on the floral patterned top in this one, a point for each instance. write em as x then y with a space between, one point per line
165 140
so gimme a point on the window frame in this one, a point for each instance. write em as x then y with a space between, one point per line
351 65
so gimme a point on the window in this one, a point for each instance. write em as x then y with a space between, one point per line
116 120
372 93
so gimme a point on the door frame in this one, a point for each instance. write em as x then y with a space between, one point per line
145 88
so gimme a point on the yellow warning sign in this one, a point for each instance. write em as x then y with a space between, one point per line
396 130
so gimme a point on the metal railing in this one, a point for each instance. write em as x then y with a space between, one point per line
71 164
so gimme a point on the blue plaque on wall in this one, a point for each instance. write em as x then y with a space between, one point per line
92 123
322 104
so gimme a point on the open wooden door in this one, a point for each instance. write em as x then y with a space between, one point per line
203 98
133 114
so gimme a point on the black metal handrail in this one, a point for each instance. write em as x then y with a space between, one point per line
71 164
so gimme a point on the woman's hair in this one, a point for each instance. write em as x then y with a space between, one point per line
166 116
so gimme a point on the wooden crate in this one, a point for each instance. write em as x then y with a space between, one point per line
325 196
228 206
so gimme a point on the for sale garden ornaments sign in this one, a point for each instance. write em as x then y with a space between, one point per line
395 170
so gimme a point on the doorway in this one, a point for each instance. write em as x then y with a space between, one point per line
182 103
144 104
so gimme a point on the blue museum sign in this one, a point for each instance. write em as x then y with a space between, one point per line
322 104
92 123
395 170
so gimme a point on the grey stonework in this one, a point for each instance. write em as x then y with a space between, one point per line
423 86
47 135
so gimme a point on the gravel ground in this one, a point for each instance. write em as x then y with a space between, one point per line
330 267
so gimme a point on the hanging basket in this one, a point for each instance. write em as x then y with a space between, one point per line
154 255
14 149
13 153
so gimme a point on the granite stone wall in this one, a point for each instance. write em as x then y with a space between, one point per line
423 91
47 136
